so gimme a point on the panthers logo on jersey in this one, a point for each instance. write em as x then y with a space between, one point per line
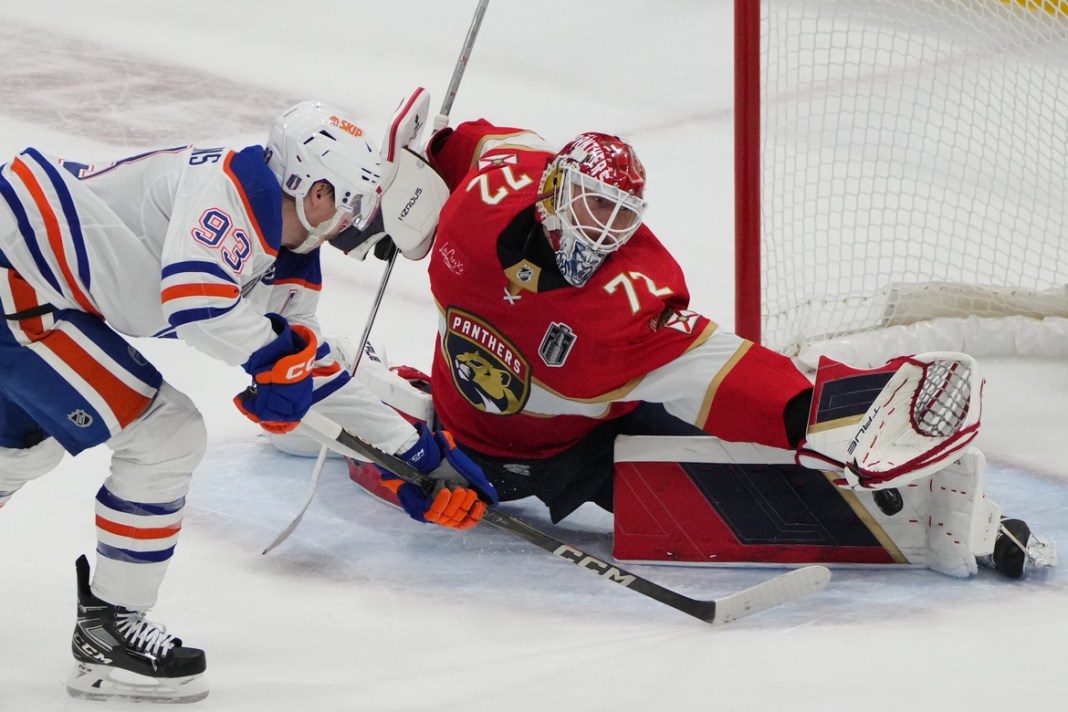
486 368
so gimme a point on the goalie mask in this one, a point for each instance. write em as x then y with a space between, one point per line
590 202
314 142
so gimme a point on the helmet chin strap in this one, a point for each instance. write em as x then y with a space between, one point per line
316 234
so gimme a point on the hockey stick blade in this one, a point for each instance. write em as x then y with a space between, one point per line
773 592
309 494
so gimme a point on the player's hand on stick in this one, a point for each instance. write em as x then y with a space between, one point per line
461 490
281 389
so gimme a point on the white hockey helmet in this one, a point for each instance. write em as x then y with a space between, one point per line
590 202
313 141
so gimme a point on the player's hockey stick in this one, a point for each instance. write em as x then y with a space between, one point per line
773 592
320 461
440 121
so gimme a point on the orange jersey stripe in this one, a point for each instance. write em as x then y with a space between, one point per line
299 283
25 297
137 532
180 291
55 237
126 403
248 206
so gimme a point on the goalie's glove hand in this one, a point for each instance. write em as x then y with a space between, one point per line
461 491
281 390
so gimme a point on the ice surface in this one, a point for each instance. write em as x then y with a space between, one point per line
363 609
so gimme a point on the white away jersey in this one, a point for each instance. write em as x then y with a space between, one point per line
159 244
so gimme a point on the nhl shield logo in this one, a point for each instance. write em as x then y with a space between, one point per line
556 344
80 418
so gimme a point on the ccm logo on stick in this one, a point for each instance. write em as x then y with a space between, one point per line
596 565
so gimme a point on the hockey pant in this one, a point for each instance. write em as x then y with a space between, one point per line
70 383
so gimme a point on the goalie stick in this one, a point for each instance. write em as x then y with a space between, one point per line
776 591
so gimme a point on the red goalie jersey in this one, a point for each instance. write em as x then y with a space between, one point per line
527 365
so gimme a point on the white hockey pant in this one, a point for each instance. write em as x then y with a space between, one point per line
19 466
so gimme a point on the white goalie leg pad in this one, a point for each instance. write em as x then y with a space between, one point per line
901 517
943 522
963 522
924 416
103 683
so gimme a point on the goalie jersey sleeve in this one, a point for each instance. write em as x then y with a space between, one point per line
526 365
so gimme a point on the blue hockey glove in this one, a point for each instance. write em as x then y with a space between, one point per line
281 390
461 490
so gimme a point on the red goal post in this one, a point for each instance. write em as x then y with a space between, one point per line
901 176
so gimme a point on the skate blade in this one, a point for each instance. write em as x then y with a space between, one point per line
89 681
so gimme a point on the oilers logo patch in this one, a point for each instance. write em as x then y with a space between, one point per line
556 344
486 368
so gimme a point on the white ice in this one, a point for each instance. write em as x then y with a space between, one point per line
363 609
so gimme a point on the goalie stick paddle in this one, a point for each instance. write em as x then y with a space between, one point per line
776 591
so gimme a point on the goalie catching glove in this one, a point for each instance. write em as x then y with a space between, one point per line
461 490
281 390
891 425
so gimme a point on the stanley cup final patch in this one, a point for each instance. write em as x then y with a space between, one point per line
556 344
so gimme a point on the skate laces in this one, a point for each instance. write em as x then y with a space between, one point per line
148 637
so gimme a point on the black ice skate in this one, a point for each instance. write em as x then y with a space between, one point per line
1017 550
120 655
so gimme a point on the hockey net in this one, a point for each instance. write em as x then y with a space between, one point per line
902 176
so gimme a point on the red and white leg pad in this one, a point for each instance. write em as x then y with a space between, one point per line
699 500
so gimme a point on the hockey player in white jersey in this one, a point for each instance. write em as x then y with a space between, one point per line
170 243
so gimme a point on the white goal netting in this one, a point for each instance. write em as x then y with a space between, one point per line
914 165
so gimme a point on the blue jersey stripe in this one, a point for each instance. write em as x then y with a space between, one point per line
186 316
7 191
196 266
70 212
331 386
